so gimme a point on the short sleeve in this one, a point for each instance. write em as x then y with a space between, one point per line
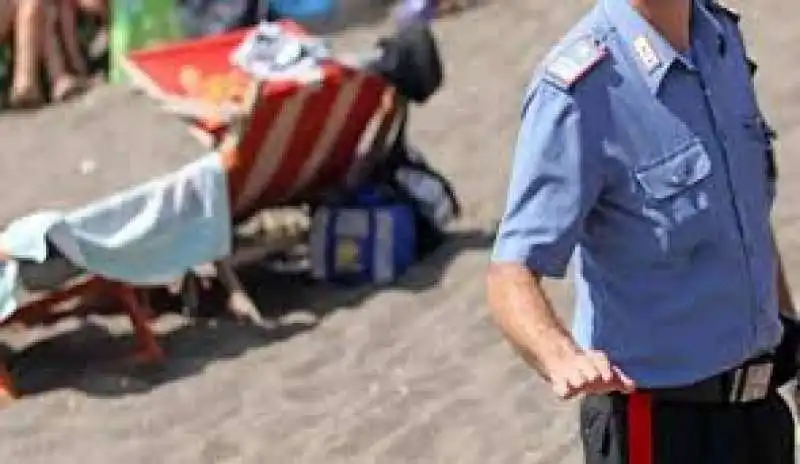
554 184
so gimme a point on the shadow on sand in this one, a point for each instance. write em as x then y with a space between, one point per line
88 359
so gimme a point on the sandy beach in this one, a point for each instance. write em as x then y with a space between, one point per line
411 373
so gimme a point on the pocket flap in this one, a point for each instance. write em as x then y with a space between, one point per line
676 172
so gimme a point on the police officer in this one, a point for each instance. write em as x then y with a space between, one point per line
644 159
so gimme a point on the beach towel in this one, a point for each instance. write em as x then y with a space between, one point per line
138 24
147 235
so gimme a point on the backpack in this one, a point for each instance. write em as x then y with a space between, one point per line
209 17
410 178
411 61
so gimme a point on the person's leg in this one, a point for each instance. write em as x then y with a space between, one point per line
98 8
756 433
64 84
7 12
686 434
68 29
28 21
603 429
773 429
622 430
617 429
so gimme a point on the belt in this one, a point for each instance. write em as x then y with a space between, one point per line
751 381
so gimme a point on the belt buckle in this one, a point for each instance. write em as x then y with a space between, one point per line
751 382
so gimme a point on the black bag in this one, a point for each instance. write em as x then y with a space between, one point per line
411 62
434 208
408 177
209 17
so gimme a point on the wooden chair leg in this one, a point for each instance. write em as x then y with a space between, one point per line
147 308
239 303
148 350
7 390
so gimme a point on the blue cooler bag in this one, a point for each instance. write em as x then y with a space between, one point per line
369 242
302 9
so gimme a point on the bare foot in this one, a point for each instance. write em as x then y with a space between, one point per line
25 98
68 86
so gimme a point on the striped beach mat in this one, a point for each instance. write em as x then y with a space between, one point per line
140 24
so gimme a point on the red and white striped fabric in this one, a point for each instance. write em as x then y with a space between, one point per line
299 134
303 136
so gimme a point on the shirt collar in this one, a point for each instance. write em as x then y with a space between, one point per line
652 53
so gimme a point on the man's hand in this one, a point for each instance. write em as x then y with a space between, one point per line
522 311
588 372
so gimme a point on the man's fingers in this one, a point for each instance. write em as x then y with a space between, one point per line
575 383
602 365
590 372
567 381
575 376
560 386
627 383
586 366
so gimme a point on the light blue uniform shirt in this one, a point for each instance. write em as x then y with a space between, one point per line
653 170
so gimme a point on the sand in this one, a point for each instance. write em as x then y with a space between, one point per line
85 150
411 373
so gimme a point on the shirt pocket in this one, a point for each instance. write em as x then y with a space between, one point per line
677 197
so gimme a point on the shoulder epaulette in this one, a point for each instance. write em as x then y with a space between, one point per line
574 61
726 10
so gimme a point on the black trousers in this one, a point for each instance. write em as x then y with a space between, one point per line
637 429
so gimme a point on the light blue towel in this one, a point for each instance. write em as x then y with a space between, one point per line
149 235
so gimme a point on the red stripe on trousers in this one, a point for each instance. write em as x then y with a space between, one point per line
640 429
